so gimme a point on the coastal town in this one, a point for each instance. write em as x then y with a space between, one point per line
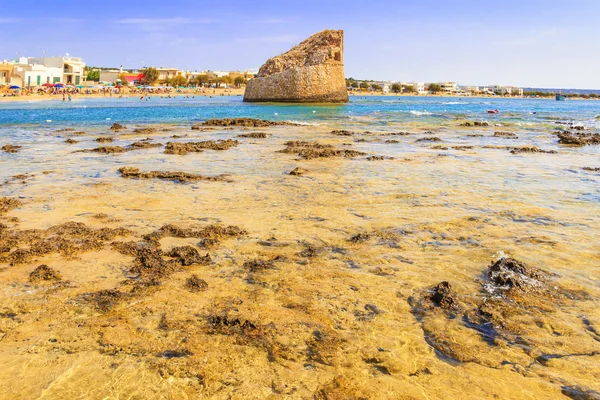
37 75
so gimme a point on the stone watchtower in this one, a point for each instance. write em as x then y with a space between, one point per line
312 72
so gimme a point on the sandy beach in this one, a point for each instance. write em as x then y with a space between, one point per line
236 92
126 94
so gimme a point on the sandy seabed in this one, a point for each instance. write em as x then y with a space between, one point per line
208 271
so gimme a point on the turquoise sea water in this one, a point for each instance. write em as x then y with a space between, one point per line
368 110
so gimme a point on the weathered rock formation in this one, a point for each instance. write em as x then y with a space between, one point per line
312 72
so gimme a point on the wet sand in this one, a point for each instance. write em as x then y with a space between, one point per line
238 279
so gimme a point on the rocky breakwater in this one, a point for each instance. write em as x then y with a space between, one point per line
312 72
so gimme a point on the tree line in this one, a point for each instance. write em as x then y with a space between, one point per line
569 95
151 76
352 83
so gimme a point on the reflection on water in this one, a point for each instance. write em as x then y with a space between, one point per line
327 294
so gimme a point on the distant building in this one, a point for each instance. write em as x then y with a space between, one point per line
114 75
109 75
246 75
217 74
32 71
195 74
419 87
167 73
449 87
507 90
6 70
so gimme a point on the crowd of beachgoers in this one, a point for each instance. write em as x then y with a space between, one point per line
69 91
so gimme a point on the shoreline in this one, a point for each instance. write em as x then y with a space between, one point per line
58 97
240 92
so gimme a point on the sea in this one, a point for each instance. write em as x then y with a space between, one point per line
371 110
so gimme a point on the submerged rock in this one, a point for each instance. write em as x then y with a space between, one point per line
444 295
507 135
342 133
9 148
530 149
44 273
578 139
188 255
195 284
254 135
510 273
519 316
143 144
117 127
104 150
246 122
298 171
311 72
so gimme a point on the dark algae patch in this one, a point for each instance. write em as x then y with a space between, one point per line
8 203
68 239
9 148
298 171
429 139
104 150
311 150
245 122
143 144
506 135
117 127
254 135
198 147
195 284
181 177
530 149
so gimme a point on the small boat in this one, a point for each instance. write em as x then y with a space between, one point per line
560 97
492 111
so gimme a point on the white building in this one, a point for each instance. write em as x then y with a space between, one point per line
167 73
507 90
32 71
449 87
418 87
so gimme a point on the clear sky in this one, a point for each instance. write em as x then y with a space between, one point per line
538 43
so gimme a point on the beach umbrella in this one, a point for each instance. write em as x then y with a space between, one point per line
80 86
48 85
59 85
14 87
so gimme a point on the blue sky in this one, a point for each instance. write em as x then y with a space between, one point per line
541 43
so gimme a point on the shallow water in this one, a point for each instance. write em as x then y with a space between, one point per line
333 318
